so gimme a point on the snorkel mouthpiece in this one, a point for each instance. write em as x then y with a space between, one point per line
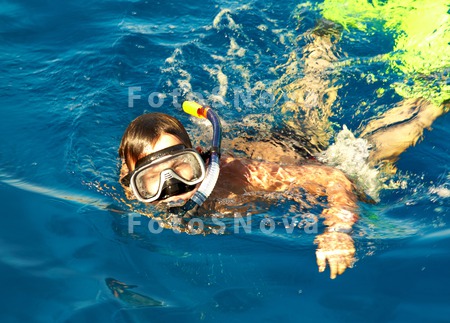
174 187
212 172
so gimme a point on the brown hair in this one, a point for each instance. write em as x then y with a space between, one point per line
146 129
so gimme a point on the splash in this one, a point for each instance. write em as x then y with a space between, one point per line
350 155
440 191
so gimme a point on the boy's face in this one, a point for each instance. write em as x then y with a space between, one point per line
165 141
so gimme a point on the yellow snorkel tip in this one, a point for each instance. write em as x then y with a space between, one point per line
194 109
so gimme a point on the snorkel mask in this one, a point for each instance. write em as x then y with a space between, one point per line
165 173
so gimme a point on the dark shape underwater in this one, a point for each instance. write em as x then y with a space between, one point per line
120 291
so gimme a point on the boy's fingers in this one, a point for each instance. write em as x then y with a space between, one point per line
350 259
321 260
342 267
333 269
335 249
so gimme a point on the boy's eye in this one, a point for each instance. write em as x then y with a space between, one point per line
149 176
184 170
179 165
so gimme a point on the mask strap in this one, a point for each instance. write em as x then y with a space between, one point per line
158 154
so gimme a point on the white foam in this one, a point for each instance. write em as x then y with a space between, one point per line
221 77
171 59
235 49
350 155
440 191
223 82
262 27
140 27
224 13
185 85
218 58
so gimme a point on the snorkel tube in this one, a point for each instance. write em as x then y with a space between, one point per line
212 172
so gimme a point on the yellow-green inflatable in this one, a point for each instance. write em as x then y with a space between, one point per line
421 31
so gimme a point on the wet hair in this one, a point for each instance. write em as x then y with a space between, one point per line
147 129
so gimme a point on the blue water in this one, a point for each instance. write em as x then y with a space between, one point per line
66 69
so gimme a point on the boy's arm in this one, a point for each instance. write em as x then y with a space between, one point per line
335 245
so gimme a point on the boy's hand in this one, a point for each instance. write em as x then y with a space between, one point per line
337 249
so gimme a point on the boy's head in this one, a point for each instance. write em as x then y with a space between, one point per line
143 134
158 159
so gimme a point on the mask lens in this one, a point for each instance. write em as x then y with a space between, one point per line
147 183
187 167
